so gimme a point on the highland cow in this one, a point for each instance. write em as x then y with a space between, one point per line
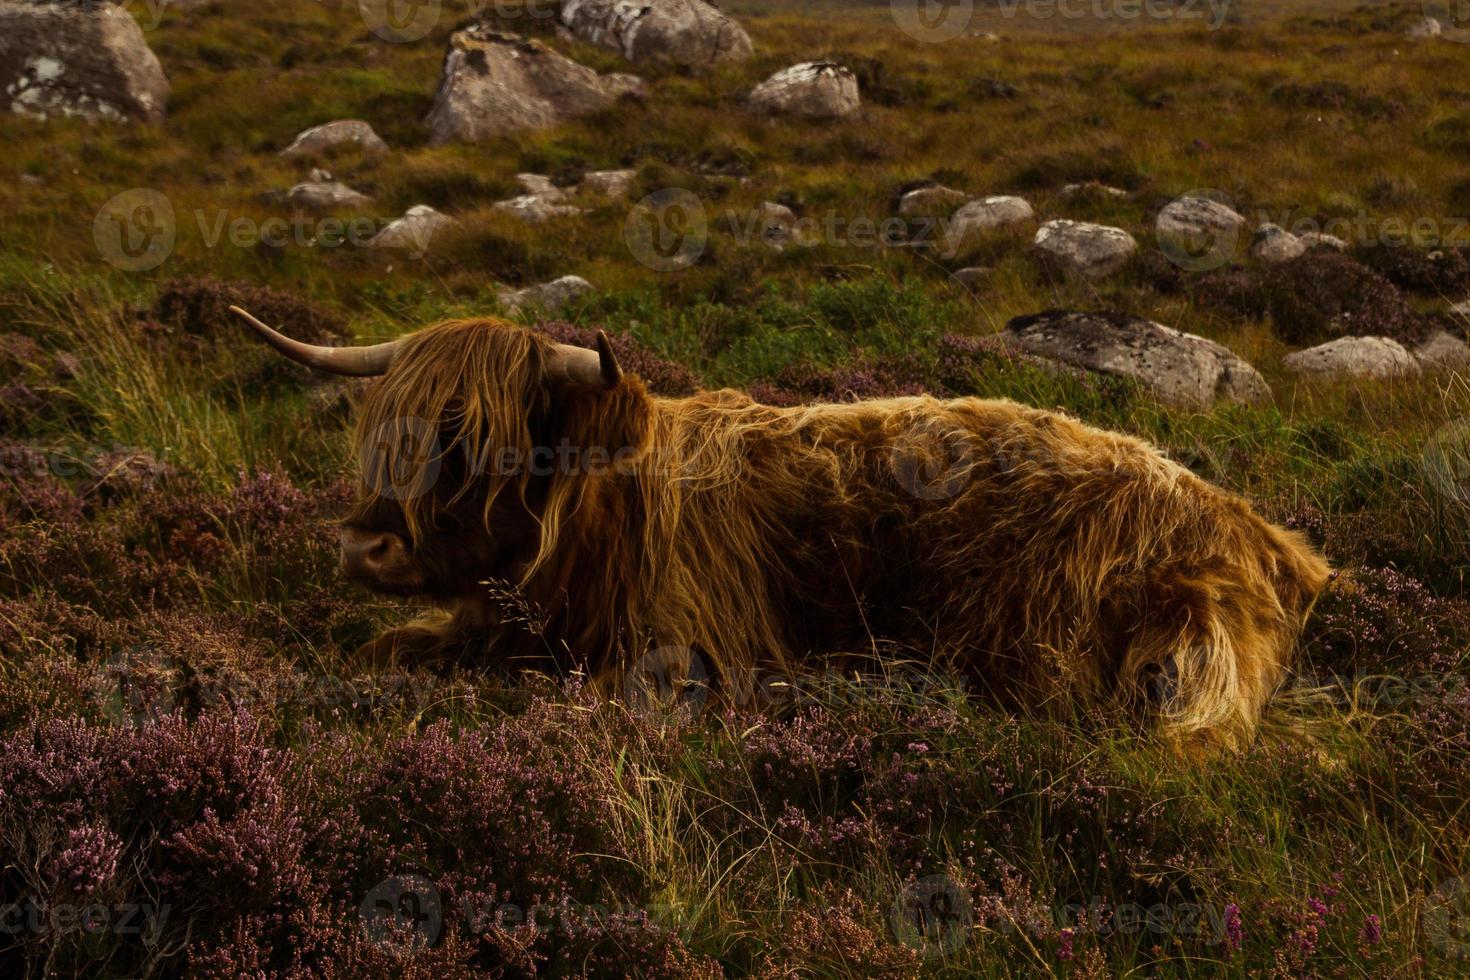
1055 564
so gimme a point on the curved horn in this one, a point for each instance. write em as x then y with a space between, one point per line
598 368
357 362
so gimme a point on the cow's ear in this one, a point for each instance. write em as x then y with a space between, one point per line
614 420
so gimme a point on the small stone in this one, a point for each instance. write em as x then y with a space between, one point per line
931 200
549 297
414 231
1091 251
609 183
1273 244
344 133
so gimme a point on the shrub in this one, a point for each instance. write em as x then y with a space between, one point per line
1324 294
1436 272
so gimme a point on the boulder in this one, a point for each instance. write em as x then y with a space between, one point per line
413 232
1176 367
535 208
350 133
1353 357
494 83
1273 243
324 195
811 90
1424 29
982 215
1316 239
680 32
78 59
609 183
549 297
1443 351
1092 188
1088 250
620 84
540 186
777 224
1189 217
931 200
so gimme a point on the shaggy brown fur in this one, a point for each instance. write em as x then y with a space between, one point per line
1055 563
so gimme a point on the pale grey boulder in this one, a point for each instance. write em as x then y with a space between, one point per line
1177 367
414 232
680 32
339 133
494 83
1084 249
1443 351
78 59
1353 357
931 200
983 215
812 90
1273 244
324 195
548 297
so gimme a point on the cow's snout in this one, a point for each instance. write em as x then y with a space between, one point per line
376 557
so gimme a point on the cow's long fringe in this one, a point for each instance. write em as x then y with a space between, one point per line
1058 564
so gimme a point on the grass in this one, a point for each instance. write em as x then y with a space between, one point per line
186 730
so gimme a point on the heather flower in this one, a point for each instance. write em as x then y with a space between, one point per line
1234 928
89 859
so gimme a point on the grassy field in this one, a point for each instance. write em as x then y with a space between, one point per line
197 778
